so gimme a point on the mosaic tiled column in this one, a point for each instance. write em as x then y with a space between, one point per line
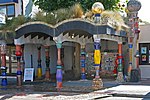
97 58
23 62
47 74
130 59
59 67
136 36
97 82
133 6
19 71
120 69
82 62
3 65
130 45
39 68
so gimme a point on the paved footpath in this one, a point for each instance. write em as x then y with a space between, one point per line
120 92
51 96
112 91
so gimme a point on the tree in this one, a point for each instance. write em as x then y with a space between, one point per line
51 5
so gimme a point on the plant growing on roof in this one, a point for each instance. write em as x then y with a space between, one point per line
7 31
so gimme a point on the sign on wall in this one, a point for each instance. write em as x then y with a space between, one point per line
143 57
143 50
28 74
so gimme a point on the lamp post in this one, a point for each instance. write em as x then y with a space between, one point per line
133 7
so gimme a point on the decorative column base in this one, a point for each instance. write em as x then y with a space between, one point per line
4 79
83 76
97 84
19 78
120 77
39 73
47 74
4 82
59 77
129 72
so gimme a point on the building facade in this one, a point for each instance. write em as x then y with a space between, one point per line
144 51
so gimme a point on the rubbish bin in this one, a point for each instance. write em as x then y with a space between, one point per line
135 75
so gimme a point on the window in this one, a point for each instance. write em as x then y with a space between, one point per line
3 9
8 10
144 51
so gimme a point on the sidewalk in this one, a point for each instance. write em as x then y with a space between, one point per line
78 86
74 90
46 90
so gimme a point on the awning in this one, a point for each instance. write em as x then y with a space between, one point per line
8 1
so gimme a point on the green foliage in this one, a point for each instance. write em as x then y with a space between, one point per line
7 31
39 17
7 36
59 15
14 23
51 5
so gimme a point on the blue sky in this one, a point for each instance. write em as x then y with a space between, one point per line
144 12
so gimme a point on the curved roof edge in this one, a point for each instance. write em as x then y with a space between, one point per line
66 25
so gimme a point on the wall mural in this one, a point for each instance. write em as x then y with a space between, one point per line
107 64
90 64
108 61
